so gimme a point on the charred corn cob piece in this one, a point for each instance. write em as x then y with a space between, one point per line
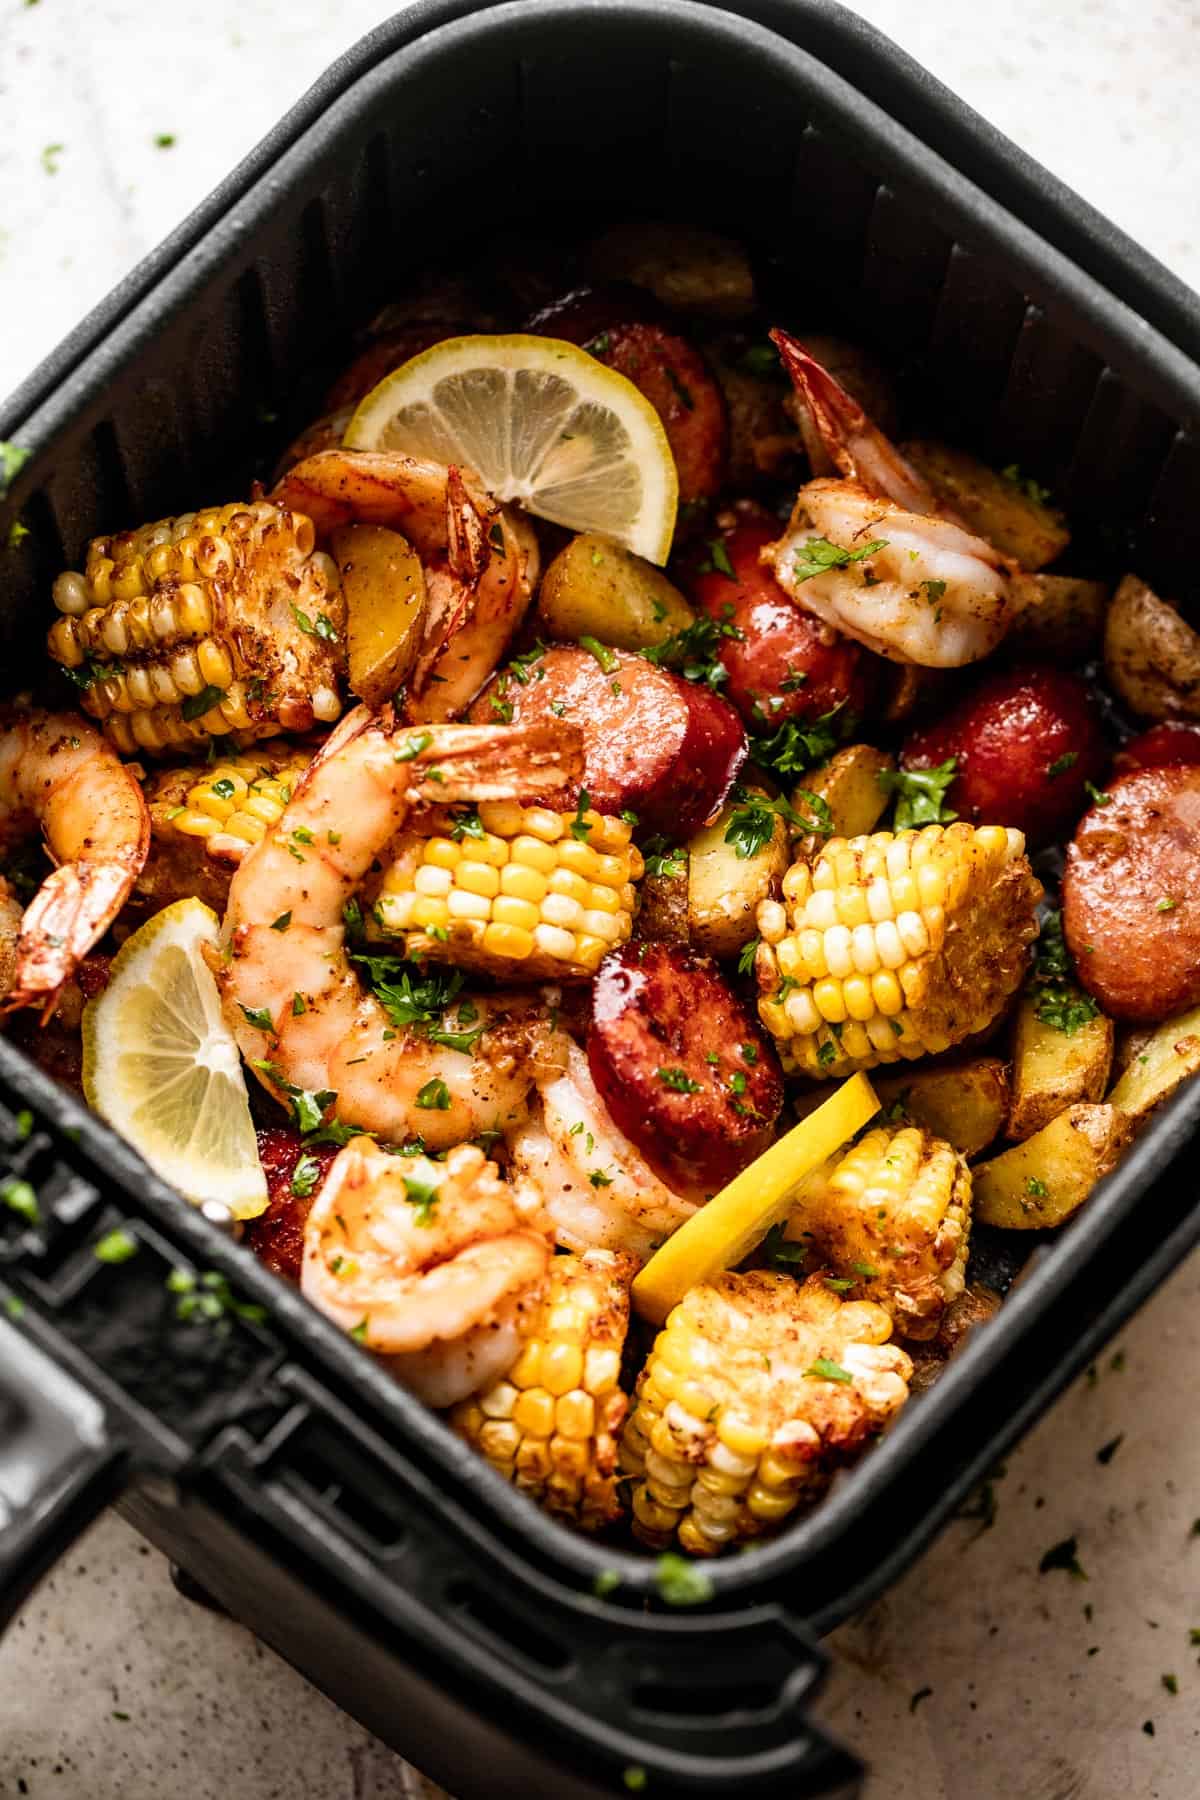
891 1221
214 623
894 945
756 1390
205 816
515 891
551 1425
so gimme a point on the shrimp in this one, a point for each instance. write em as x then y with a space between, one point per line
286 959
480 559
435 1266
57 772
597 1189
875 554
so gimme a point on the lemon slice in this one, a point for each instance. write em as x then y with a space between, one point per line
725 1231
161 1066
540 422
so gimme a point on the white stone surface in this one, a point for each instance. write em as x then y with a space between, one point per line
1031 1698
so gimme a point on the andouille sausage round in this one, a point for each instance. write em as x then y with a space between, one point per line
1131 895
684 1068
654 744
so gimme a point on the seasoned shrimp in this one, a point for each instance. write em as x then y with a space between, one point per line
434 1265
596 1187
286 957
57 773
480 558
875 555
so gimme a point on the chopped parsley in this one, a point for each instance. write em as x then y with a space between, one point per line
434 1096
780 1251
819 554
1032 490
467 824
115 1246
1036 1187
208 1299
746 956
413 746
1062 763
718 561
606 1582
1106 1452
416 998
694 651
305 1176
259 1017
1057 1000
663 860
682 393
20 1198
282 922
309 1106
795 747
752 823
1167 904
678 1081
13 458
521 667
828 1371
421 1196
607 658
579 827
920 794
681 1582
196 705
1096 795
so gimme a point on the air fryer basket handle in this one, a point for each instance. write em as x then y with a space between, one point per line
59 1464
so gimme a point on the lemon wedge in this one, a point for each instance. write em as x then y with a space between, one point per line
725 1231
540 422
161 1066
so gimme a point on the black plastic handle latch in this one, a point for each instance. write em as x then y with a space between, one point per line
59 1464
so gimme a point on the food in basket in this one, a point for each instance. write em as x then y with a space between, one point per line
567 852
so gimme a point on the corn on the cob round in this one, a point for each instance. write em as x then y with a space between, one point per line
514 891
891 1221
205 816
894 945
218 622
756 1390
550 1426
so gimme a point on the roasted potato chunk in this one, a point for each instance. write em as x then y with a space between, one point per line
685 268
1052 1069
594 588
1047 1178
1060 617
384 586
724 889
849 785
1159 1061
966 1103
1004 509
1151 655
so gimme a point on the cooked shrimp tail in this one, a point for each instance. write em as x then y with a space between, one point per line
291 993
57 772
857 446
480 558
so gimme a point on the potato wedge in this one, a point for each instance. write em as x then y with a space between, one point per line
849 785
1164 1058
1057 616
1044 1180
724 889
687 269
1001 508
965 1103
593 588
384 585
1151 655
1052 1070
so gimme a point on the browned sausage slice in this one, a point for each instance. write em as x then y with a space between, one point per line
685 1070
1131 895
653 743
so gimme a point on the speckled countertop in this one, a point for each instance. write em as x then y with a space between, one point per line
976 1678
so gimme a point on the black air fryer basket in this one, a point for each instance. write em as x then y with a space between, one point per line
307 1492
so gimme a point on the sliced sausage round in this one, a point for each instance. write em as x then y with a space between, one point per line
1131 895
684 1068
1174 741
653 743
